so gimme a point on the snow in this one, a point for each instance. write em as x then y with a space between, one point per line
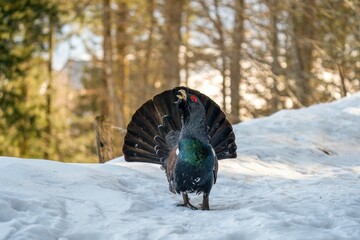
297 176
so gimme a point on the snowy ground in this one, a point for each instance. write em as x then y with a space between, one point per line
297 177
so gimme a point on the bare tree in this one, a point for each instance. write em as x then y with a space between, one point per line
219 39
172 12
235 75
275 65
49 91
119 65
109 90
301 19
148 88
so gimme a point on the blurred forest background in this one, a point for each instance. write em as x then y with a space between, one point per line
62 63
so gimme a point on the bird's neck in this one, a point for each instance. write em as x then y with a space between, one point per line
194 128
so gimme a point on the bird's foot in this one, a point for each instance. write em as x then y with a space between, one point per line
186 202
205 204
205 207
189 205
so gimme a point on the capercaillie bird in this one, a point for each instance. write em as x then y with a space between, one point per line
187 133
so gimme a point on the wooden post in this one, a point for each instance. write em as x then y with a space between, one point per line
103 139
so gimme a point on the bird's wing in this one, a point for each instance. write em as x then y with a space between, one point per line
170 167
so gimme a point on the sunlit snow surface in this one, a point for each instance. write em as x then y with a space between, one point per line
297 176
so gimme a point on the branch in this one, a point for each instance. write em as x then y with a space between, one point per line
342 77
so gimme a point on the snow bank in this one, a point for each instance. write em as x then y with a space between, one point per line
297 177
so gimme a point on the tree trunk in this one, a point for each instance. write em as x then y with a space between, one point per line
302 19
220 42
109 91
49 91
275 65
172 40
24 122
148 88
235 76
186 39
121 44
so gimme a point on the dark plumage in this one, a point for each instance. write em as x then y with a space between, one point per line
187 133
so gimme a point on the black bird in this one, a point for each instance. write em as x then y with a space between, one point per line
187 133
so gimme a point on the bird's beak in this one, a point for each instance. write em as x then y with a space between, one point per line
182 94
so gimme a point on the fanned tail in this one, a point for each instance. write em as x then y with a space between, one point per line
222 137
154 129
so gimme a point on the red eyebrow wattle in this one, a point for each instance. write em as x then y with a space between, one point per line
193 98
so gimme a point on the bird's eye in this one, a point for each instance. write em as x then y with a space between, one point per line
193 98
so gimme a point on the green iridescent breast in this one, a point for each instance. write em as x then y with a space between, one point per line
194 151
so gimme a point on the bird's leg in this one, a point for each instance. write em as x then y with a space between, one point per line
186 202
205 203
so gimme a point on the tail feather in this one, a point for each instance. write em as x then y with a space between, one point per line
220 135
227 148
142 157
162 130
149 116
169 124
160 142
154 128
172 139
145 139
146 132
165 103
216 124
135 146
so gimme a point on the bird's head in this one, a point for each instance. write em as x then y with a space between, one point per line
189 105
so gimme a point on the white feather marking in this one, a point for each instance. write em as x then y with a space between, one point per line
213 151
